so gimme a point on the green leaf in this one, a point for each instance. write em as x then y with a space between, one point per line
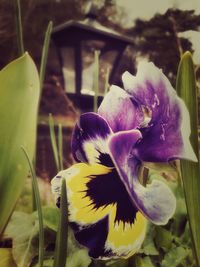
186 236
147 262
23 229
76 254
117 263
163 238
138 261
186 88
175 257
6 259
78 258
47 263
19 96
180 216
51 217
148 247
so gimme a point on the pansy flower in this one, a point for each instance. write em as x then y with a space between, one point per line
108 206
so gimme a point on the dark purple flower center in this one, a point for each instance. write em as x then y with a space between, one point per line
107 189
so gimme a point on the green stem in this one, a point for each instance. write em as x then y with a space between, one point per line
106 81
19 27
39 209
34 205
45 51
96 80
42 73
62 234
60 146
53 142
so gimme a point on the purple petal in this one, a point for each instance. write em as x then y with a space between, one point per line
167 141
89 138
167 134
155 201
94 237
120 111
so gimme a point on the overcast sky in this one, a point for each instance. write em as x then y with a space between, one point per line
145 9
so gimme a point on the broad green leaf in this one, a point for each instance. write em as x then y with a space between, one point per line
186 88
19 96
6 259
23 229
51 217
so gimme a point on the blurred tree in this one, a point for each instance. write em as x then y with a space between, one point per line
158 38
7 32
35 17
112 15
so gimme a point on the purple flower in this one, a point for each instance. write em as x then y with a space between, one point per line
108 206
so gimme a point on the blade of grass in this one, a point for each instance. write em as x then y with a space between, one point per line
19 27
60 146
53 141
106 81
62 234
45 51
186 88
39 209
96 80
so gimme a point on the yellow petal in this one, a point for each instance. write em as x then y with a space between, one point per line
125 239
81 208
